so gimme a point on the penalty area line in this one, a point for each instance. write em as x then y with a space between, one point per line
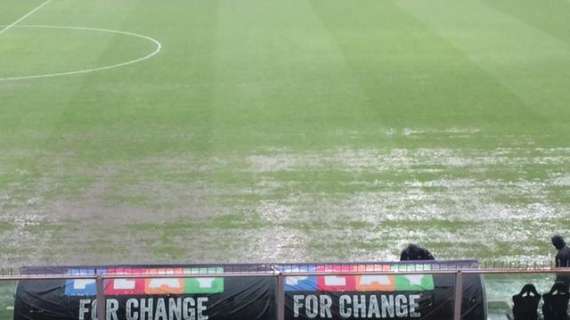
10 26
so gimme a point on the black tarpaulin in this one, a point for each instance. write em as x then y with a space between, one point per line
334 291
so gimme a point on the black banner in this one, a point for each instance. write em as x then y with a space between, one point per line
397 296
324 291
176 298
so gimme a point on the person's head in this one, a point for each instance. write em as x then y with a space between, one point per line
558 242
412 246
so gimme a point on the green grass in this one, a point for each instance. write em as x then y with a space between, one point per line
301 130
7 293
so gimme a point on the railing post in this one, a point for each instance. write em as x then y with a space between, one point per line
457 303
100 309
280 297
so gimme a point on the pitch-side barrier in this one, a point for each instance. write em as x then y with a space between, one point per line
374 290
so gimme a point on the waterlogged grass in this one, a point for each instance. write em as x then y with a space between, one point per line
7 293
358 207
236 222
6 227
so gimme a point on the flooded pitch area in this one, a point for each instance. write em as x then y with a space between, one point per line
496 204
499 205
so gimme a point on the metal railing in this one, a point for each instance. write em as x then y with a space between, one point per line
278 272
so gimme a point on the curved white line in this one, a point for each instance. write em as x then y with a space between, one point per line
114 66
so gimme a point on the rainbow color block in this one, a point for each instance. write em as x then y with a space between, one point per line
147 286
358 283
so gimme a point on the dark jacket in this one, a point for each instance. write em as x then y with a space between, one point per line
563 257
414 252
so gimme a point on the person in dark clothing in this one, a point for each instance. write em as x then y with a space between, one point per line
563 256
414 252
562 259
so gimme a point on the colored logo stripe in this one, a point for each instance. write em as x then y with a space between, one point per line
204 285
361 283
336 282
376 283
80 287
147 286
126 286
300 283
164 285
418 282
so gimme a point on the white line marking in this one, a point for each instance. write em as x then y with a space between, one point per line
10 26
114 66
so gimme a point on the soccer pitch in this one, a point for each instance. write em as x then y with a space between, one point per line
304 130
